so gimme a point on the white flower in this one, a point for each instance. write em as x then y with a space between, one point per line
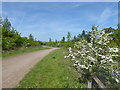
74 65
76 62
69 55
103 32
75 53
83 66
117 80
113 50
111 60
65 56
73 57
100 48
100 42
91 58
78 51
102 56
103 61
87 51
115 55
90 45
79 42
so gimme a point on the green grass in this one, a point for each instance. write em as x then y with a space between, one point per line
6 54
52 72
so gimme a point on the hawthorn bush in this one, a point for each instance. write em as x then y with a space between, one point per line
97 58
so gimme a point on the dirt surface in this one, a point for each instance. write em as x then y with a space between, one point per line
15 68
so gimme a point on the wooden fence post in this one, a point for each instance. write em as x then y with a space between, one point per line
89 83
101 85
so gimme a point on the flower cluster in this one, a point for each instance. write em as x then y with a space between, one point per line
95 54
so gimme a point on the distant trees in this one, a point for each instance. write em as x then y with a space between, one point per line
6 24
0 32
78 37
50 40
56 41
11 39
74 38
68 41
31 37
83 33
63 39
0 21
68 36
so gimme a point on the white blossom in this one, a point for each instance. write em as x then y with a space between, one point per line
94 52
65 56
111 60
113 50
117 80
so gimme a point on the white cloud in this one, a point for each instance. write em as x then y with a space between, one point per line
105 15
103 18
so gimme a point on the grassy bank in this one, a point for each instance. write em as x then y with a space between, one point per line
6 54
52 72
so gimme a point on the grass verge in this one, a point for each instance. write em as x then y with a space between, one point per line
6 54
52 72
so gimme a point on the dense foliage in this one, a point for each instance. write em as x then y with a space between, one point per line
98 57
11 39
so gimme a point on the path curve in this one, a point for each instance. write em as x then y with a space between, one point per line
15 68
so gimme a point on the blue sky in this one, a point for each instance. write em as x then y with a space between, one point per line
54 19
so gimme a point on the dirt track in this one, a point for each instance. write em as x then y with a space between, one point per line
15 68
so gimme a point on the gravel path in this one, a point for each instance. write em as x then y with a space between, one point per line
15 68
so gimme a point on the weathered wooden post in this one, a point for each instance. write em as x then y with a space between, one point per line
90 79
90 83
101 85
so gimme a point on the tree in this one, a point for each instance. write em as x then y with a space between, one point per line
83 33
78 37
6 23
63 39
68 36
0 21
56 41
109 30
31 37
118 26
50 40
116 37
11 39
75 38
0 31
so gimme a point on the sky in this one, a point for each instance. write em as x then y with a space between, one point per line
61 0
46 20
